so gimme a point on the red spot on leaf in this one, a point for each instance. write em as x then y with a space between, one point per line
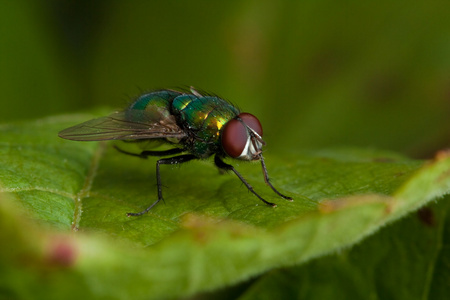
62 252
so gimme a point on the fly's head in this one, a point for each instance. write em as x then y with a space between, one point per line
242 137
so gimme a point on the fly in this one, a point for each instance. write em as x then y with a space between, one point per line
197 125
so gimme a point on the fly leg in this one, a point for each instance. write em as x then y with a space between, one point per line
224 166
165 161
147 153
266 179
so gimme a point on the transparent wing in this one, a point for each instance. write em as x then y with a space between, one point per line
125 125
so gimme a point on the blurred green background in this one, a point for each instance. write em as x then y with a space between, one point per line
317 73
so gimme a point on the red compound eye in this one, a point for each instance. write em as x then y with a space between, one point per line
234 138
235 134
252 122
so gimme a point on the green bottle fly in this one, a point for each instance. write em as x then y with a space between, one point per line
197 125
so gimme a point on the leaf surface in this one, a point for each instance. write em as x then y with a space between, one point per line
210 231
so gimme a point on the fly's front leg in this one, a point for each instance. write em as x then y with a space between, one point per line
226 167
165 161
266 179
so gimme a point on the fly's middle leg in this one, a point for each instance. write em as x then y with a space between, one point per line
165 161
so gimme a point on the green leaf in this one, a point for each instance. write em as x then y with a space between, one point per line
210 232
408 260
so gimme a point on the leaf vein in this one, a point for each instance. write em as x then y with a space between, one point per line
37 188
431 268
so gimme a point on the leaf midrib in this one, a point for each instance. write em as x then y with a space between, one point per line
87 185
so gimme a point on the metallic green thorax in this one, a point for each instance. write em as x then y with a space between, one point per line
202 116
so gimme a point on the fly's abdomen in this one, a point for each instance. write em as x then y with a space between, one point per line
154 106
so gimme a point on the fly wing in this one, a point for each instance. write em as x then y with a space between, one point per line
125 125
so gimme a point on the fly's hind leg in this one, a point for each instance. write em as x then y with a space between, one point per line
147 153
